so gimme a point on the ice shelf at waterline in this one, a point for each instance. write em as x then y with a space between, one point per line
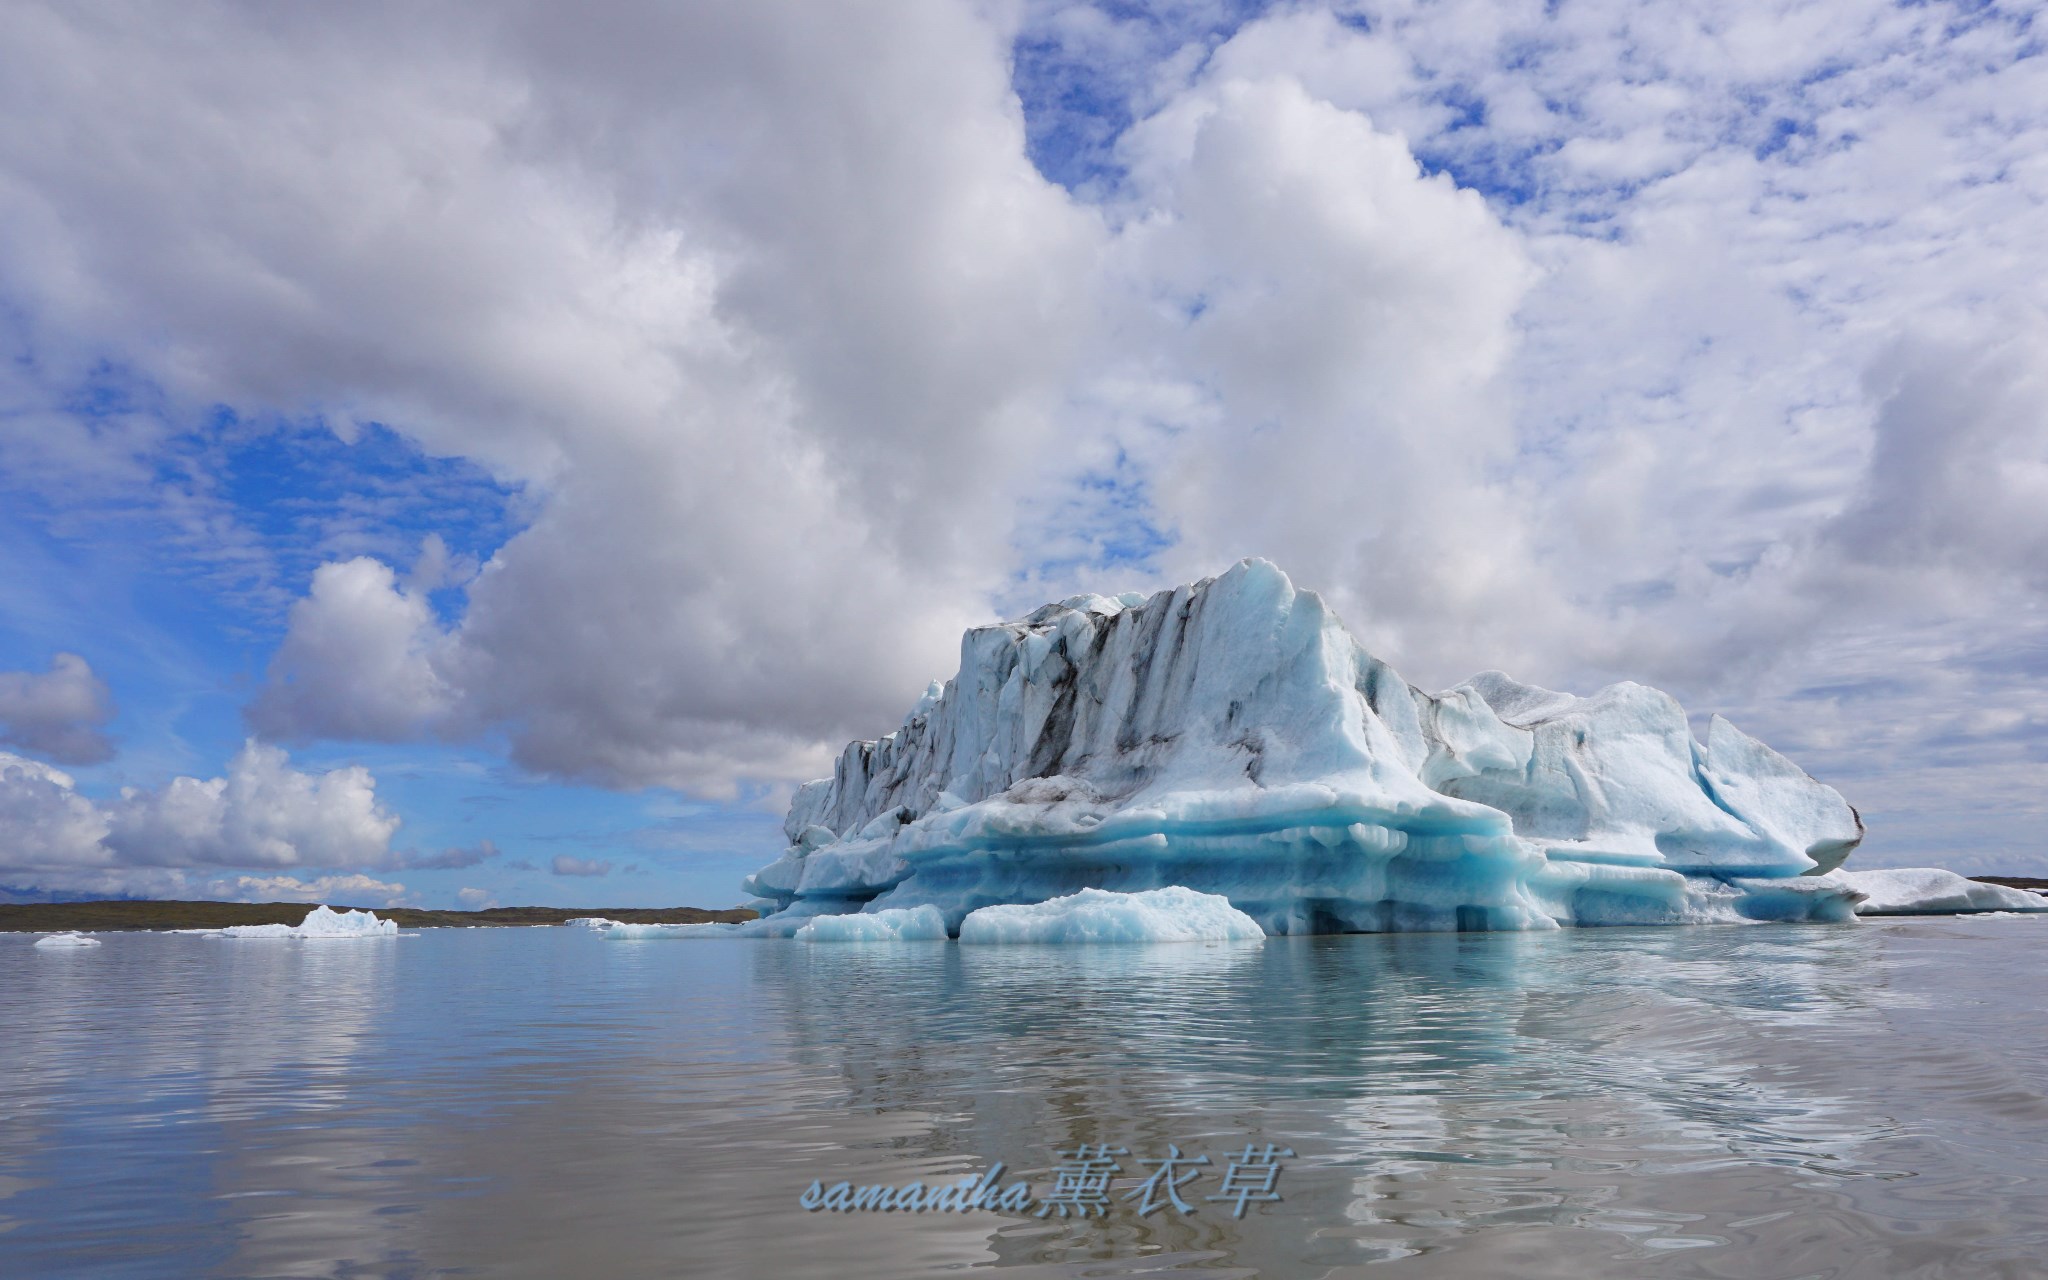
1232 737
1931 891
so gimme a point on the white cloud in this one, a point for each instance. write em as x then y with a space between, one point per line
743 294
262 813
359 660
62 713
1333 319
43 819
475 899
350 890
564 865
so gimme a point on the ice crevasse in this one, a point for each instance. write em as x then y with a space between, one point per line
1230 736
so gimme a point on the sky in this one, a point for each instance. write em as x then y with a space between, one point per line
465 456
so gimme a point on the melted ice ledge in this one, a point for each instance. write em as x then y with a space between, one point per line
1920 891
1230 736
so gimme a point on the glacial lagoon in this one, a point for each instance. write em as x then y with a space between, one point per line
1866 1099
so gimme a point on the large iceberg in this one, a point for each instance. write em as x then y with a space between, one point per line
1232 737
320 922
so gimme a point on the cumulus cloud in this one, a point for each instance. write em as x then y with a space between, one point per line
475 899
45 821
744 365
358 660
793 404
840 374
352 890
61 714
1334 321
262 813
564 865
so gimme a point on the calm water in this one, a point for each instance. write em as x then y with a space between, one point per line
1773 1101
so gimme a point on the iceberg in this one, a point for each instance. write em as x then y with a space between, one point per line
56 940
614 929
1173 914
319 923
915 924
1231 737
1918 891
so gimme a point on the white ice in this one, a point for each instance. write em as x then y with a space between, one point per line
67 940
707 930
1173 914
918 924
1232 737
590 922
1906 891
320 923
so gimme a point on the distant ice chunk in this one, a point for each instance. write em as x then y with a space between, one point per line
1919 891
904 924
713 929
1172 914
67 940
590 922
320 923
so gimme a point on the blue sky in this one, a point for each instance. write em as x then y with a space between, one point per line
557 439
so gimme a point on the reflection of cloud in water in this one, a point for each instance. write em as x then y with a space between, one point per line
150 1074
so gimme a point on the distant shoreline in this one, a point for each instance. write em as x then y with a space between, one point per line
2037 883
119 915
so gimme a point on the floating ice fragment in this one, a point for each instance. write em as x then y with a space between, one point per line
56 940
1172 914
320 923
707 930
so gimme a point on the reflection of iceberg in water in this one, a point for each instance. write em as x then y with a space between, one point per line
1589 1102
1434 1086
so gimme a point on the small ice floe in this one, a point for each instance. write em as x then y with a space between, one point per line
56 940
590 922
898 924
1930 891
320 923
709 930
1172 914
